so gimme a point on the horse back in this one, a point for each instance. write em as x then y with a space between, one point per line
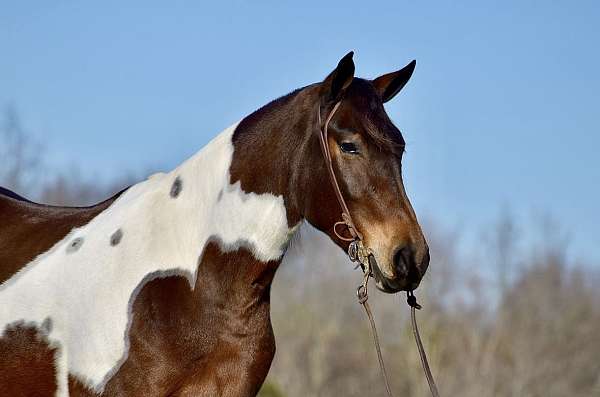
28 229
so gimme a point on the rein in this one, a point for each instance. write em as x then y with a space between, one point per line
358 252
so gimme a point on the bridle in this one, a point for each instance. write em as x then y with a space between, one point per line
358 252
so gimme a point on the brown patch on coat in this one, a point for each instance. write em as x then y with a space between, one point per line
26 362
214 339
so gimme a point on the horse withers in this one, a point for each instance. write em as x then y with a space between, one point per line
164 288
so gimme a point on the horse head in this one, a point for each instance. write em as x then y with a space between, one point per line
366 151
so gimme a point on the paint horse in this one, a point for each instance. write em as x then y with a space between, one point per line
163 289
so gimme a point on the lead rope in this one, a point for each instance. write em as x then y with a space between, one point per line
363 297
359 253
414 306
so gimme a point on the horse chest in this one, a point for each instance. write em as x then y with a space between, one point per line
214 339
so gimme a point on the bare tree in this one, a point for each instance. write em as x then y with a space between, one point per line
21 163
73 190
20 154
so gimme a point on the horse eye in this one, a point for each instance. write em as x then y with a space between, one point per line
349 147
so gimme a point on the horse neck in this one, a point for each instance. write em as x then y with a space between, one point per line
239 193
274 149
277 150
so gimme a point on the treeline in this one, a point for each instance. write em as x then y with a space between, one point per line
535 333
23 169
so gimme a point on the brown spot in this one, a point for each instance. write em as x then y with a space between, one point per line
26 362
75 245
176 187
116 237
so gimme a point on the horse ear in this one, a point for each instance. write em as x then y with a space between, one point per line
334 85
390 84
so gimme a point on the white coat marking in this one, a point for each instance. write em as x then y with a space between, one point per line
86 292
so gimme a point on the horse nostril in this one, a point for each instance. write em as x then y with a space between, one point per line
402 260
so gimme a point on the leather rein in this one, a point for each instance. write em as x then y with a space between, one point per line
358 252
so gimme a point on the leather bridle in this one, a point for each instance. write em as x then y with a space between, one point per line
358 252
357 249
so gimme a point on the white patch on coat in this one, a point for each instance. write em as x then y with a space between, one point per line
86 292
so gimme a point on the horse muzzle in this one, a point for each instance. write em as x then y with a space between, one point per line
408 270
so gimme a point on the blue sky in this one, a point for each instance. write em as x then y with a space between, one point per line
502 111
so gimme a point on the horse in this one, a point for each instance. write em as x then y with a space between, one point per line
164 288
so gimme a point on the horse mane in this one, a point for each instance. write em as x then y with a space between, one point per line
9 193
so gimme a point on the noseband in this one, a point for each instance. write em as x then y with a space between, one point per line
358 252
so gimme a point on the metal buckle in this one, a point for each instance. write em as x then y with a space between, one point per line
353 251
357 252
